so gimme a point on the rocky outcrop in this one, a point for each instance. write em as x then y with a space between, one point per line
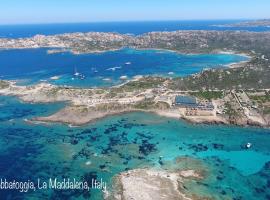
150 184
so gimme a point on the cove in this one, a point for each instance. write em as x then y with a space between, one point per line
31 66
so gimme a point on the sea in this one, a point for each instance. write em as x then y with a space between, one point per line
134 28
31 66
115 144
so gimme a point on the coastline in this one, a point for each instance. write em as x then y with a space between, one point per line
61 117
78 112
46 96
145 183
229 52
203 136
237 64
73 118
56 50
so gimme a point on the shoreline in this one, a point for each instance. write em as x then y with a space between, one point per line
134 78
63 50
145 183
52 95
56 50
240 63
228 52
80 112
54 118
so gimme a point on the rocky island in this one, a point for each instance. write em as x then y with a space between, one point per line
250 23
235 95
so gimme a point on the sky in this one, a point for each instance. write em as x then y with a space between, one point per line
61 11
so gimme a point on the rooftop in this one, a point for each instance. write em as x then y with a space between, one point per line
185 100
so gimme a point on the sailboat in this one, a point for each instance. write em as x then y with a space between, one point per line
76 73
248 145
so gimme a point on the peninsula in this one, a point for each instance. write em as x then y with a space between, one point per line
250 23
235 95
147 94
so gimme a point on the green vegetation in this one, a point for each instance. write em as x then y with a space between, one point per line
144 83
150 104
232 113
100 91
111 94
110 107
266 110
82 109
261 99
145 105
162 105
209 95
54 91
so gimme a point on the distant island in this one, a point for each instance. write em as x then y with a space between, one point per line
251 23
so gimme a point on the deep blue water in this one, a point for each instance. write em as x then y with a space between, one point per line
136 28
129 141
103 69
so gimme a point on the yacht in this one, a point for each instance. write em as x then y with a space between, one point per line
248 145
76 73
79 75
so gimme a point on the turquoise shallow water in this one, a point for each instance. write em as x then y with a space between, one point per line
103 69
133 140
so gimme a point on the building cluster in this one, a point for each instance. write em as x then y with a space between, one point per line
190 102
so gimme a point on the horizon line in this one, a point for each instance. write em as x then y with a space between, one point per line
128 21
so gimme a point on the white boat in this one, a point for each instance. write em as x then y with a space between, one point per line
128 63
88 163
113 68
123 77
76 73
248 145
55 77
